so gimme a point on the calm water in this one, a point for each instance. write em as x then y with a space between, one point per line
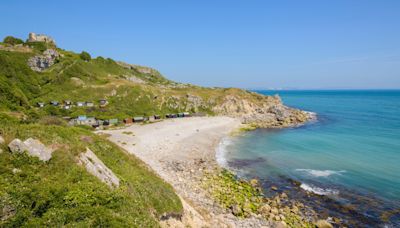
351 154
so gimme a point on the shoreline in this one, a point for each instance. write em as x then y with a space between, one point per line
181 151
184 152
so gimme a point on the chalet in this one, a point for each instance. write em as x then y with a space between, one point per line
40 104
67 102
89 104
54 103
128 121
80 104
138 119
113 121
103 102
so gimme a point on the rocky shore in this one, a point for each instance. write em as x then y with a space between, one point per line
182 152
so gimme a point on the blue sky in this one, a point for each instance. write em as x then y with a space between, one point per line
248 44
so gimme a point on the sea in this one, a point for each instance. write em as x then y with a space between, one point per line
345 164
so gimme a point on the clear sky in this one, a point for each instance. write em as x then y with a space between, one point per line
248 44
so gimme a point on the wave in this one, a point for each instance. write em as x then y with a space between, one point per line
318 190
220 152
321 173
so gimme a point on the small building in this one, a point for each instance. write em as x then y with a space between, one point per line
180 114
106 122
67 102
113 121
90 121
89 104
100 122
186 114
157 117
172 116
103 102
138 119
67 107
82 118
80 103
40 104
54 103
128 121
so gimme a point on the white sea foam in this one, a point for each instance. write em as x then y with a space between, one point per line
321 173
318 190
220 152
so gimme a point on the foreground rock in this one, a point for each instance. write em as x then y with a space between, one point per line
98 169
33 147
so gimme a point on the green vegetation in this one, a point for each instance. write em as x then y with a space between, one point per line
85 56
12 40
62 193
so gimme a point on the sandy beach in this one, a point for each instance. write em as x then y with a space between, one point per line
180 151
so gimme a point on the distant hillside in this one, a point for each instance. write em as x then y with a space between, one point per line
131 90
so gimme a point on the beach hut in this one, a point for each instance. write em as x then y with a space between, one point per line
54 103
157 117
113 121
186 114
89 104
67 107
180 114
128 121
167 116
172 116
138 119
67 102
106 122
90 121
80 103
40 104
103 102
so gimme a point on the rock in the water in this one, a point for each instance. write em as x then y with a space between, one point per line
17 146
323 224
2 141
36 149
32 146
97 168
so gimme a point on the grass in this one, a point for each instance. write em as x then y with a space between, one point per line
62 193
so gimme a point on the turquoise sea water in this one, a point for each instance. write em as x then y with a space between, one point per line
351 153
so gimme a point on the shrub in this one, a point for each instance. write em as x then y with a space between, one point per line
85 56
12 40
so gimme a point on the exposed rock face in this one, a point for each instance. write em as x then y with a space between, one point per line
33 37
33 147
44 61
266 111
97 168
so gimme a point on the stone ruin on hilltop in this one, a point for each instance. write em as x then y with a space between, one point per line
33 37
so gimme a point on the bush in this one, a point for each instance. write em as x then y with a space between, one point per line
12 40
85 56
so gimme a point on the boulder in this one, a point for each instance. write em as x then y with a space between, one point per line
323 224
97 168
32 146
17 146
36 149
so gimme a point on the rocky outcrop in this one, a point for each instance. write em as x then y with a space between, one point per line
97 168
33 37
41 62
33 147
263 111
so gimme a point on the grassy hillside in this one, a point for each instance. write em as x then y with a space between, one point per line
131 90
60 192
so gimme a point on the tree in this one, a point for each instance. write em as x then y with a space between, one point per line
85 56
12 40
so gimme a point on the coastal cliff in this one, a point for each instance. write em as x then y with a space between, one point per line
36 71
